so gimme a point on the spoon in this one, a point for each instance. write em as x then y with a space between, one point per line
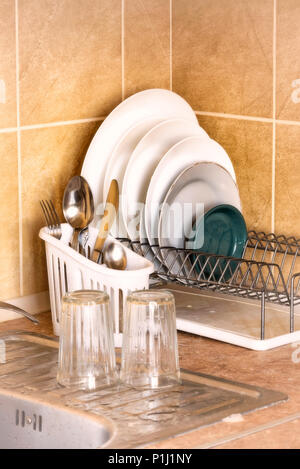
78 207
114 256
15 309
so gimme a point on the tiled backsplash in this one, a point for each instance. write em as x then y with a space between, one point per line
65 64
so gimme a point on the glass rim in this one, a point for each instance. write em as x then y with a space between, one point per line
86 297
144 297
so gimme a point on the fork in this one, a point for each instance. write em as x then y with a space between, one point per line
54 225
51 218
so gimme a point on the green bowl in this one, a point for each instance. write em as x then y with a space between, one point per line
221 231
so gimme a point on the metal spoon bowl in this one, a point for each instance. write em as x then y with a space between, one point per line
78 207
114 256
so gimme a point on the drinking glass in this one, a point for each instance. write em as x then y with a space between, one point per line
150 352
86 346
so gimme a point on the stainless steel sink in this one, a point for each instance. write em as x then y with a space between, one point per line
28 424
35 412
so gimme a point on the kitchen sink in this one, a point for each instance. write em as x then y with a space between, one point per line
28 424
36 412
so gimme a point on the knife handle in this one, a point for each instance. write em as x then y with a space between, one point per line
109 215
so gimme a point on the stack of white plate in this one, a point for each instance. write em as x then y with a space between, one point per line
163 161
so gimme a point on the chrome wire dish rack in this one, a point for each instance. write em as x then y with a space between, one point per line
269 270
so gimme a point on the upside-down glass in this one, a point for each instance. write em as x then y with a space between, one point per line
86 346
149 352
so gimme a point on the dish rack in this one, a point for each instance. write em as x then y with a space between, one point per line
68 271
268 272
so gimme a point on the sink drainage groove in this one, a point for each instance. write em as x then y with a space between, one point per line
130 417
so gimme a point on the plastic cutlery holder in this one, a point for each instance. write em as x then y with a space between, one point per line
68 271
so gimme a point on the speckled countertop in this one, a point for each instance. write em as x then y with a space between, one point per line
279 369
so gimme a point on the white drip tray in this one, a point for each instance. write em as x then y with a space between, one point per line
232 319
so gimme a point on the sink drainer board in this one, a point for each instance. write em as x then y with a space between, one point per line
35 408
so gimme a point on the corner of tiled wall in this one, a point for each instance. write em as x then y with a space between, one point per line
66 64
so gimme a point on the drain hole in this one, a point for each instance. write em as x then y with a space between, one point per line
23 418
36 421
40 423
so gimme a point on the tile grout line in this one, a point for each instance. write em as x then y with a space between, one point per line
269 120
19 149
123 48
8 130
52 124
101 118
234 116
274 115
286 122
171 44
61 123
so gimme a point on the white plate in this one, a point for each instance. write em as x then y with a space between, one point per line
122 152
117 164
182 155
149 103
143 162
196 190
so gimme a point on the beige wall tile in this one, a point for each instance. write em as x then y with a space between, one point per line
288 60
9 214
147 45
50 157
287 207
70 59
222 55
249 145
8 108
